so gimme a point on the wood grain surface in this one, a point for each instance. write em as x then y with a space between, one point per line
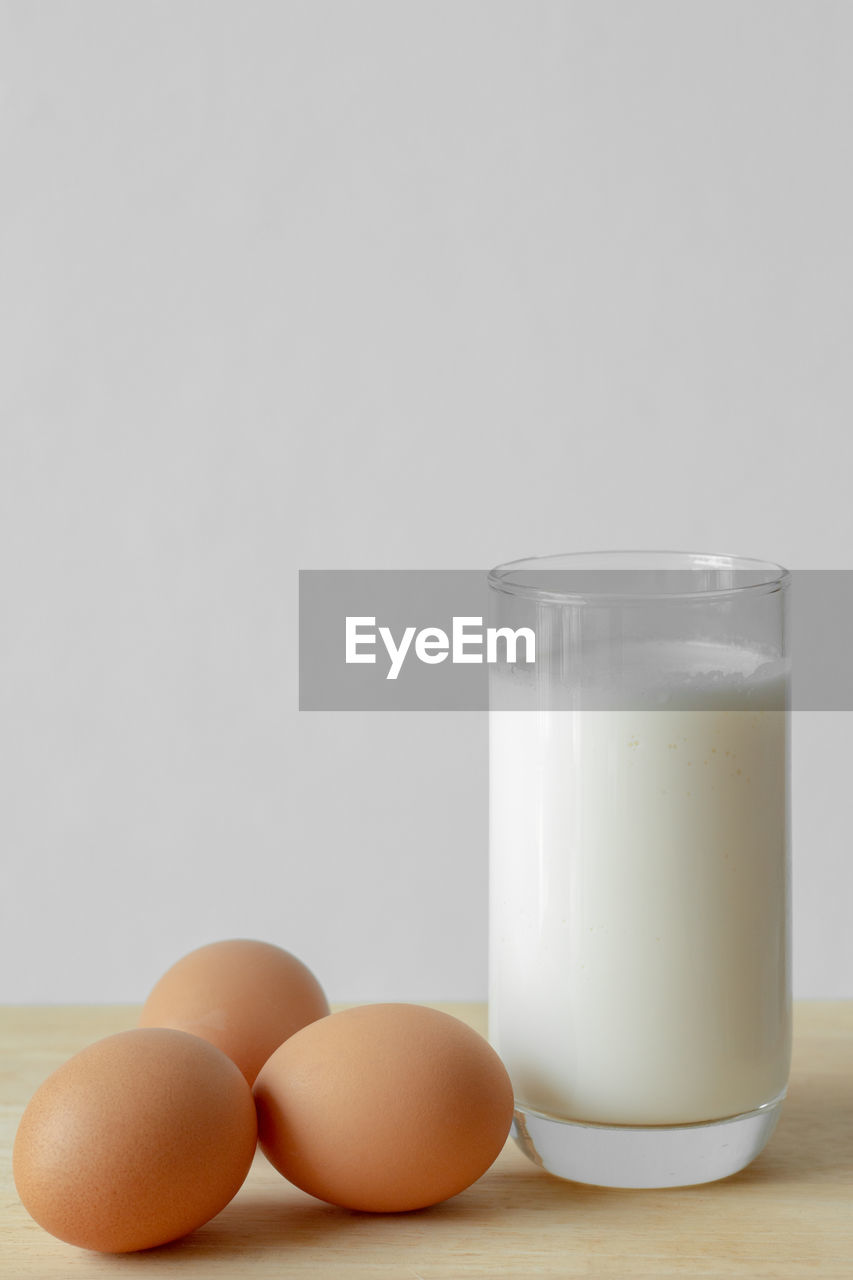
788 1215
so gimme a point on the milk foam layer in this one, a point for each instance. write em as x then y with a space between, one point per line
653 675
639 901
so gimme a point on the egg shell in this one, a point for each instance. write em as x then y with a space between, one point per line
242 995
135 1141
384 1107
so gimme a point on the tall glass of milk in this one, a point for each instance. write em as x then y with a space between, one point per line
640 982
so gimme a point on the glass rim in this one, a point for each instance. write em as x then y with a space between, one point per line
510 576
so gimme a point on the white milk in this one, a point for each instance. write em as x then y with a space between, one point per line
639 901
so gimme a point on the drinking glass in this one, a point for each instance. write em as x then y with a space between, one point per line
639 959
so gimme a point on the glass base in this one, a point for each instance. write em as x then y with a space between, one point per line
644 1156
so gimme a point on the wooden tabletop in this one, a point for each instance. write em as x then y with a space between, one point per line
788 1215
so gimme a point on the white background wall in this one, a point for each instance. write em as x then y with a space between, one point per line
435 284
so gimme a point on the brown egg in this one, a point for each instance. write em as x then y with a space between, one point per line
246 997
384 1107
136 1140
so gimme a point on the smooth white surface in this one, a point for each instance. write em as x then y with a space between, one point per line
294 285
639 907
